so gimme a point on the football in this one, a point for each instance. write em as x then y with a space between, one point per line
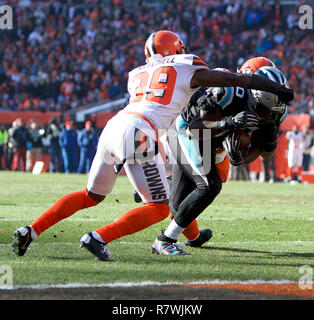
245 139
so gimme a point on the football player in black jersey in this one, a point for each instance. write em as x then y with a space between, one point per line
196 180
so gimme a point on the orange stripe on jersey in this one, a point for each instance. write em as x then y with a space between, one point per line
199 62
143 139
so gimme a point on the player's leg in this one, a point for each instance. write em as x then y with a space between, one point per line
29 159
205 234
62 209
100 183
195 203
188 154
149 179
299 163
291 160
65 158
180 187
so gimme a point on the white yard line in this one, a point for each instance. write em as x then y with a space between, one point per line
200 218
147 283
147 243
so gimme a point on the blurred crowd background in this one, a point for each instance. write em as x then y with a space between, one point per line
65 54
69 53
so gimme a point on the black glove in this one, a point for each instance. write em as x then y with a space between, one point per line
285 95
270 131
240 121
231 145
204 101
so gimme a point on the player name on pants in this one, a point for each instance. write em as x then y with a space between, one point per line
154 181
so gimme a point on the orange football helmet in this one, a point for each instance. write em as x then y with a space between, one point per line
253 64
164 43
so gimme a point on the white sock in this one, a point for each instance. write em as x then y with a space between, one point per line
98 237
174 230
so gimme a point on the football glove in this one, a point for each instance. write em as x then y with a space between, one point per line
242 120
231 145
270 130
285 95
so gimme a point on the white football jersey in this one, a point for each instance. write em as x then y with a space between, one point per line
160 90
295 140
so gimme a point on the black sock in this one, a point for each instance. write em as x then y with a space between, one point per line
162 237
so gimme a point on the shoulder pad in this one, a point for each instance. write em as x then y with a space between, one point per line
221 95
189 59
199 93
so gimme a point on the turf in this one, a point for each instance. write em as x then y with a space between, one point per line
261 231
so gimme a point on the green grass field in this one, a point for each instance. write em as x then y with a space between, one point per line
261 231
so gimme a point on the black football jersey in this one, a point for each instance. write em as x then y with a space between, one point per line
192 109
230 100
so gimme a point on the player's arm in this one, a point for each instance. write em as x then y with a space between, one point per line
207 120
212 117
214 78
264 142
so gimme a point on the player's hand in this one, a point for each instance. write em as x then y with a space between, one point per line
270 130
245 120
203 101
231 145
285 95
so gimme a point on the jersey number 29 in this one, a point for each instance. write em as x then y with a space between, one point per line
159 89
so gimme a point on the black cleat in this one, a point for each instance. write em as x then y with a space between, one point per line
96 247
137 197
204 236
22 238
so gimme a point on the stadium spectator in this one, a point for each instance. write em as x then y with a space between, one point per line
307 147
20 137
9 147
87 141
269 170
54 41
295 154
69 147
3 138
53 133
67 88
35 145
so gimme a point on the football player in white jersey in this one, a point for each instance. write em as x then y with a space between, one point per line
159 90
295 153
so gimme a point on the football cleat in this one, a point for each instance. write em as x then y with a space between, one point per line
137 197
22 238
96 247
167 248
204 236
